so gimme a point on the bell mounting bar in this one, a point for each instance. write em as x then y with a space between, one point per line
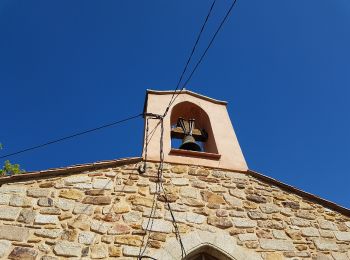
153 115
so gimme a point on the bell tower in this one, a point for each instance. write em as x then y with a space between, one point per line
196 131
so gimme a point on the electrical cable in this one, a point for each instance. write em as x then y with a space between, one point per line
159 185
172 100
71 136
160 175
155 195
193 50
204 53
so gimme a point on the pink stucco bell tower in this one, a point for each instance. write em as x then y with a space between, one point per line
204 119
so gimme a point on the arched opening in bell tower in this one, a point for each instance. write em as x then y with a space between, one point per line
191 129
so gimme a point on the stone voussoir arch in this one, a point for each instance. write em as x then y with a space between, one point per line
217 243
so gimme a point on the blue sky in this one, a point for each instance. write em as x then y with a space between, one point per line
283 66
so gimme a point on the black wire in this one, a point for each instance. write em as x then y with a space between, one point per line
160 175
174 222
192 52
150 221
159 185
71 136
152 133
172 100
146 144
205 52
154 200
156 194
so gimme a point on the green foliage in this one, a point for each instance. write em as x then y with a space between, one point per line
9 168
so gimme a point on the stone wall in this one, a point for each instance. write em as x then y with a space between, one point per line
103 214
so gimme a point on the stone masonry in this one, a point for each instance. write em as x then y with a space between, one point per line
103 214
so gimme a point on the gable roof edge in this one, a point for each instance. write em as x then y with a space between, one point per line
69 169
304 194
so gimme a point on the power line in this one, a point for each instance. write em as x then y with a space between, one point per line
71 136
172 98
204 53
159 187
156 193
161 118
193 50
160 176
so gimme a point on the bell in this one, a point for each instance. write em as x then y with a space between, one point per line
189 143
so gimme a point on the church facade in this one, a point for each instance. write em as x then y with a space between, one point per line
196 200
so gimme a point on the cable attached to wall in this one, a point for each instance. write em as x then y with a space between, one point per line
156 193
160 174
172 100
159 188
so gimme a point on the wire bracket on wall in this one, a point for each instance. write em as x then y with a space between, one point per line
159 188
148 116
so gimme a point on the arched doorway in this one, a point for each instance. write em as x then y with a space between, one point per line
213 245
203 256
207 252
